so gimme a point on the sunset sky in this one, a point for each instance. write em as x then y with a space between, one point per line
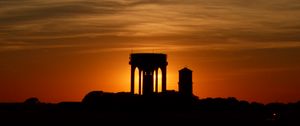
59 50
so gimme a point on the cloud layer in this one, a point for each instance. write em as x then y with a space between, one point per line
171 22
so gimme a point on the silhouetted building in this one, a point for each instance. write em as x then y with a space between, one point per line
147 64
185 82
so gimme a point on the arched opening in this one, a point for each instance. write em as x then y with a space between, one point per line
159 80
154 81
136 80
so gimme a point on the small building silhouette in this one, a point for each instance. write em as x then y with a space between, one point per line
185 83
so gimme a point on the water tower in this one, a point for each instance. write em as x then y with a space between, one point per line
147 64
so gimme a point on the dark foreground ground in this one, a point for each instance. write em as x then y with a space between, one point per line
99 108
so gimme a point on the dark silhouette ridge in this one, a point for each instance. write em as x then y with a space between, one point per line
170 107
169 100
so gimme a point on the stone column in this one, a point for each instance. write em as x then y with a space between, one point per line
164 79
132 79
140 82
156 80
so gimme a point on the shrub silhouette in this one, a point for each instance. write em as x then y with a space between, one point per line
32 101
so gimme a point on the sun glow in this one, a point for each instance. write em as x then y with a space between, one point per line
159 77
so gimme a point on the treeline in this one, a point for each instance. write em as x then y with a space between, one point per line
171 105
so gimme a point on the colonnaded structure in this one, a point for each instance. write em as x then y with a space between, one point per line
149 64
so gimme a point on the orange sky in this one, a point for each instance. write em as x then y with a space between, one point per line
59 50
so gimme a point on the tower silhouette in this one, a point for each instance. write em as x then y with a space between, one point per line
147 64
185 82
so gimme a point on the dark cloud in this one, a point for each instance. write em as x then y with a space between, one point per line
40 11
